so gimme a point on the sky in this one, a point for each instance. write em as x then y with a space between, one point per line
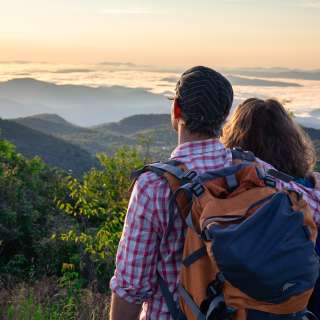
218 33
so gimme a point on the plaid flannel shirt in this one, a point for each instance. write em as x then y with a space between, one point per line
143 250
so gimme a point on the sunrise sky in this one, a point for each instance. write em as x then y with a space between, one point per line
224 33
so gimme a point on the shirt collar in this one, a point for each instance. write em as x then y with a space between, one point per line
197 147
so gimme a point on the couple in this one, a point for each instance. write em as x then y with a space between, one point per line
200 108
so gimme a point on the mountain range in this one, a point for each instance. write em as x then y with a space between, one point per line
277 73
88 106
153 129
109 136
83 105
53 150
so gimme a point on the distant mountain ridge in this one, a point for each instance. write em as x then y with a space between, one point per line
278 73
136 123
242 81
54 151
83 105
51 124
109 136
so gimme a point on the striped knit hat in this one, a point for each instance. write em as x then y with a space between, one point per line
205 97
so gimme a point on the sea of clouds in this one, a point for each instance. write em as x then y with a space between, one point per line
298 89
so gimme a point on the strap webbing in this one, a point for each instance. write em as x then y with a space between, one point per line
211 175
215 303
168 297
189 221
310 315
175 171
173 162
280 175
194 256
191 304
232 182
173 205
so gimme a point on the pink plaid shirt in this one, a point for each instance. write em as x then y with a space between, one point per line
143 250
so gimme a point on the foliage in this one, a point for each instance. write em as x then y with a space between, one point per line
98 205
27 217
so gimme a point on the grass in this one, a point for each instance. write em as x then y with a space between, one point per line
47 300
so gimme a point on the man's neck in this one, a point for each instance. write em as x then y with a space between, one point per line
185 136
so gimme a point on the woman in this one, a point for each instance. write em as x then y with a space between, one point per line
265 128
268 130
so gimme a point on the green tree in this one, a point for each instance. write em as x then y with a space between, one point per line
28 216
98 204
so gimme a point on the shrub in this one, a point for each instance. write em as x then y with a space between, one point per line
98 206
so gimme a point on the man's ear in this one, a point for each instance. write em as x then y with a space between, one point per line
177 111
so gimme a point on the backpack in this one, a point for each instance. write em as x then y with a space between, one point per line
249 250
314 304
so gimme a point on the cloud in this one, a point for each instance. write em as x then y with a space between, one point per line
16 62
73 70
117 64
129 66
129 11
172 79
309 3
285 3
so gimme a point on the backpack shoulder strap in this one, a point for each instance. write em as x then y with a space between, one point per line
280 175
176 174
240 154
173 171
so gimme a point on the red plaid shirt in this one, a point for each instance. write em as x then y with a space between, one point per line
143 250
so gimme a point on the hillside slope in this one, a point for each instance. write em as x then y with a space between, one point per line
136 123
52 150
109 136
51 124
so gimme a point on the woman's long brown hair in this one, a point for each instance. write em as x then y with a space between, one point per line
265 128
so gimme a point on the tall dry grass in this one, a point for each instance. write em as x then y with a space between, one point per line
46 300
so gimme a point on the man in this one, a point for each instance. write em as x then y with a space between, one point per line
201 105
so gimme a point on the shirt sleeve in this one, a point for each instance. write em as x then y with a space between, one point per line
135 277
310 195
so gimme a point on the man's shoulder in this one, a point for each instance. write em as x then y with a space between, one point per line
150 183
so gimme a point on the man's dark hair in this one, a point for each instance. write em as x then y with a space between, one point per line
205 97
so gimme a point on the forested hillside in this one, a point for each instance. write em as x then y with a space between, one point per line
54 151
51 124
153 129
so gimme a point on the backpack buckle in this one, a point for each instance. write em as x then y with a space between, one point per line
269 181
197 189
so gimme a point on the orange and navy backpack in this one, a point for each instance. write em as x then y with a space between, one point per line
314 303
249 250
